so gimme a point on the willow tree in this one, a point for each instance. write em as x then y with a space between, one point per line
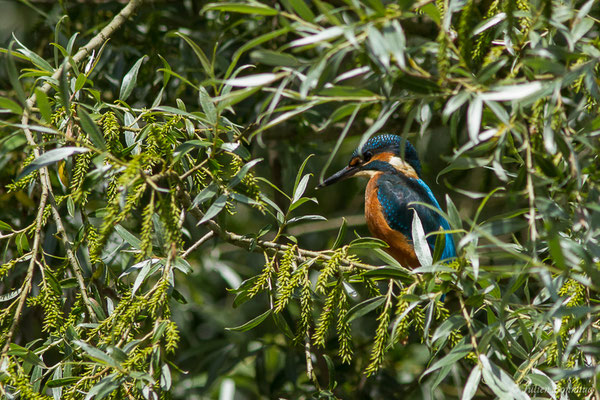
161 238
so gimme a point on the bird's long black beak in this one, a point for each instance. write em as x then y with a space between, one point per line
347 172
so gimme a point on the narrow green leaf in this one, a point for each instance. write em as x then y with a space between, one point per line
450 324
234 97
420 244
43 105
71 43
307 218
252 44
463 163
103 388
454 104
97 354
25 354
377 47
141 277
33 57
367 243
207 106
543 381
80 82
206 194
499 381
457 353
9 105
556 252
512 92
364 308
283 326
253 80
196 116
348 92
130 79
50 157
438 248
341 234
274 58
474 118
488 23
386 272
252 323
206 64
242 173
302 10
395 41
242 8
10 296
301 201
90 127
472 383
300 188
165 377
56 391
13 75
214 209
324 35
4 226
128 236
62 381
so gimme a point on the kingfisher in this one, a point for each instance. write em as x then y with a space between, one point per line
391 164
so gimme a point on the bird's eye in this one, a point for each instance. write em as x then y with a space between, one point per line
367 156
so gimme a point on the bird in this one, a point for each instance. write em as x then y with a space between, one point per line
392 165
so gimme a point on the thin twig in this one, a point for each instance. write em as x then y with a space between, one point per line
310 370
13 233
463 308
29 278
198 243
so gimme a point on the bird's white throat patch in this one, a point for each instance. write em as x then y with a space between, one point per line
366 173
403 166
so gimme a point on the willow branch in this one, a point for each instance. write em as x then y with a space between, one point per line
266 246
198 243
45 183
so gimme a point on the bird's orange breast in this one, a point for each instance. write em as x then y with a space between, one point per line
400 248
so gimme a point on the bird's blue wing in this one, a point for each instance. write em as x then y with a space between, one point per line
395 193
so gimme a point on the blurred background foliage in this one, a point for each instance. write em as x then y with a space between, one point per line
208 112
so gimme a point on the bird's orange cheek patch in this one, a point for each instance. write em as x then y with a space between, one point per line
354 162
385 157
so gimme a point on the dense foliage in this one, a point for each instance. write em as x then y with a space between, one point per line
161 238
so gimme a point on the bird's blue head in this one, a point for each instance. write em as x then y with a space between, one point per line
385 153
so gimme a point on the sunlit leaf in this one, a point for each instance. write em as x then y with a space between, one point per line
252 323
50 157
130 79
